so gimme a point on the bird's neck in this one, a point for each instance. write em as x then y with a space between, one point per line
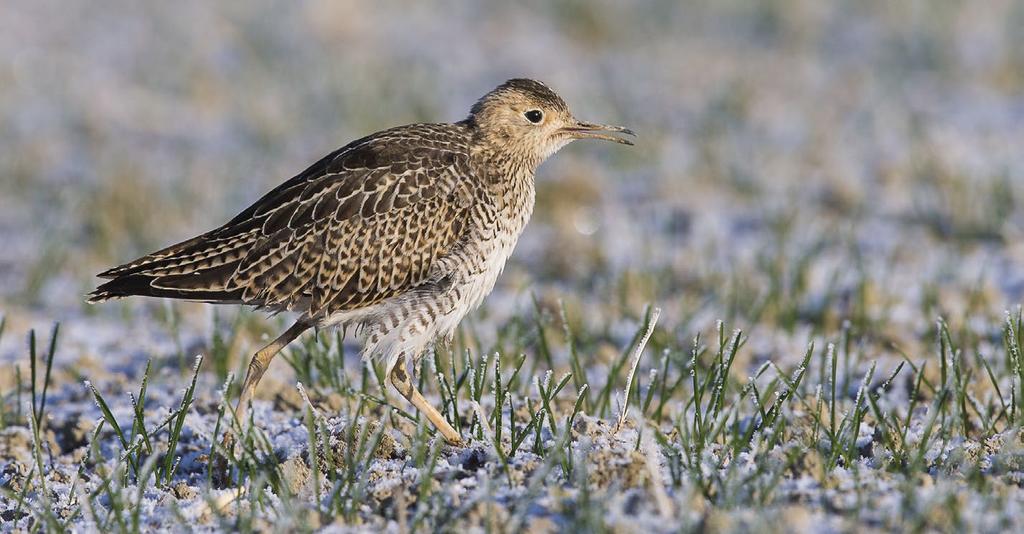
506 169
502 153
509 184
503 170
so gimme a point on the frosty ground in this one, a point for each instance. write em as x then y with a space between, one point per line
825 203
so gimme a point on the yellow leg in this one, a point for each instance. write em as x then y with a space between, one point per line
257 366
403 383
261 360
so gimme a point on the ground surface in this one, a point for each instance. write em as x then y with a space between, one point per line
841 187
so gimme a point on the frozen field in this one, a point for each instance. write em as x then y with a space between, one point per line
825 202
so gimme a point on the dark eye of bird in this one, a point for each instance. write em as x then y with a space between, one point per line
534 115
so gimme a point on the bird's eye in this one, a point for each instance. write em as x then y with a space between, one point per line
534 116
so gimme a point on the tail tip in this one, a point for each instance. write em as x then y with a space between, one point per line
96 297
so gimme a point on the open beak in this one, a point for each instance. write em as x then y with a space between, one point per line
589 130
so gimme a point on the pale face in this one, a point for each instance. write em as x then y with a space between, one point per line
534 122
537 124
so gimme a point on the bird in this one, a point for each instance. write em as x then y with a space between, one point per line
397 235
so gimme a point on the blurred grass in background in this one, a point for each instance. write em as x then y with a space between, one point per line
800 162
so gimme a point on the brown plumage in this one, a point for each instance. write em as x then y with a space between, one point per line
400 233
359 226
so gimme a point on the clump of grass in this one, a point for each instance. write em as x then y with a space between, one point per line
138 445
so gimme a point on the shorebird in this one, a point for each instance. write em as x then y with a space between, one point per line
398 234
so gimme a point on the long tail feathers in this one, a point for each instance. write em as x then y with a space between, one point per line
196 269
208 285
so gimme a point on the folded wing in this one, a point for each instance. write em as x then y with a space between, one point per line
361 225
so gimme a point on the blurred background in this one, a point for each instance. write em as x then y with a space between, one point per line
800 163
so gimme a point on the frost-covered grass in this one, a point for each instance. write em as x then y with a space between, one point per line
826 204
829 438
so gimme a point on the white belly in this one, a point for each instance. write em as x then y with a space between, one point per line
479 284
400 325
407 324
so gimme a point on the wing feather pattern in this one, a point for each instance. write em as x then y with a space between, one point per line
361 225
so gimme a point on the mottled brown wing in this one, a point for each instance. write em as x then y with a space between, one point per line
361 225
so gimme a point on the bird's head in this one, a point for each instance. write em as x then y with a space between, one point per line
525 118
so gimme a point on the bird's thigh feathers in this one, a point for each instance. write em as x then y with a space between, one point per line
405 325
